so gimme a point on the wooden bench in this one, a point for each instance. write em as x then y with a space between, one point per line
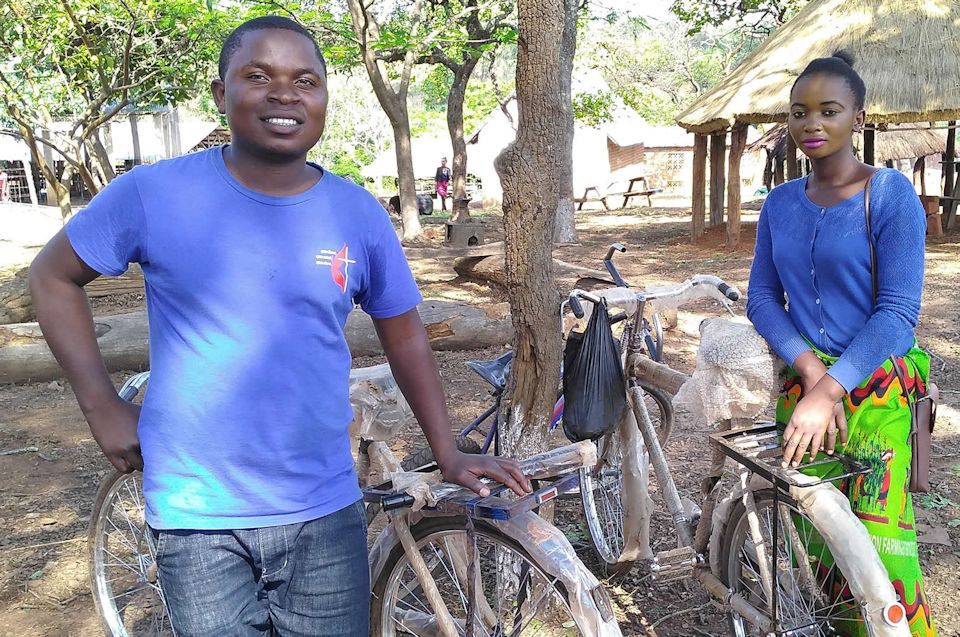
631 191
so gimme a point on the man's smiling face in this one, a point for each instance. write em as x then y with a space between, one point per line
274 95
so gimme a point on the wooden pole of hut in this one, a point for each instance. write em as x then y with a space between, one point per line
738 142
699 185
869 139
919 175
949 207
718 156
793 166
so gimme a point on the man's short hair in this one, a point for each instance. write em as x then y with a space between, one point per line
235 39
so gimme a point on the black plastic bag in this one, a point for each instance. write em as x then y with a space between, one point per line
594 391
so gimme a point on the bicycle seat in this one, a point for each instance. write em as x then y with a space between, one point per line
494 371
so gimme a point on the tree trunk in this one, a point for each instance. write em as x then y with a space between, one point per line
534 170
102 158
409 214
565 231
458 172
393 101
61 190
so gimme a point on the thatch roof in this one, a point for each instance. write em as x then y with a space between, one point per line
890 144
907 51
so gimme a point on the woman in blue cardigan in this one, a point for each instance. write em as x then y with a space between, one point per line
848 344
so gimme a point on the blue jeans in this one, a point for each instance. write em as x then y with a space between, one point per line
305 579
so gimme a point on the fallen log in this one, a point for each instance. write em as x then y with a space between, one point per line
124 340
15 302
16 306
491 268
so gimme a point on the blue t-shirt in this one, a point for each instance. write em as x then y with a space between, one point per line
818 258
245 420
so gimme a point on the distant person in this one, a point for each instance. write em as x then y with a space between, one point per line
443 181
848 339
252 264
4 184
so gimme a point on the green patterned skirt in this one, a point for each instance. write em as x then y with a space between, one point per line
878 423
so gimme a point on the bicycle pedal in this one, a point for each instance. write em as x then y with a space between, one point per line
677 564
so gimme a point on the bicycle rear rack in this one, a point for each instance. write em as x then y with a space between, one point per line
758 448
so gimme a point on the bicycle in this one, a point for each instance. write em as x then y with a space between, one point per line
618 536
786 554
550 586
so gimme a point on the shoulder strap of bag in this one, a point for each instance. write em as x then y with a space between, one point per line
873 252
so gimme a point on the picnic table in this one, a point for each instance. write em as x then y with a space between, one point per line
632 190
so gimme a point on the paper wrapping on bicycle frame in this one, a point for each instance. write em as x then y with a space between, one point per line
737 374
379 408
593 386
635 496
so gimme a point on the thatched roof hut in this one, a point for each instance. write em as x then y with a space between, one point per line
907 51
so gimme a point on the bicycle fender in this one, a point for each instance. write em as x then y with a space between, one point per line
853 550
551 549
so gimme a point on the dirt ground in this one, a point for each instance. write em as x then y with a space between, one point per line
51 466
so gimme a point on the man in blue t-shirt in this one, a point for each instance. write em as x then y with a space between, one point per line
252 258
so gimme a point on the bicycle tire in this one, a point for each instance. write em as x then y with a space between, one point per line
421 458
601 487
120 549
435 537
797 606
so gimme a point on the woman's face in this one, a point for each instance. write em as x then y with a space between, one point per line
823 115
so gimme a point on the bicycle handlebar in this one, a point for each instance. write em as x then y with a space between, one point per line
612 269
696 286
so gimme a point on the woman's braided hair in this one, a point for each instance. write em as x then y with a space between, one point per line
839 64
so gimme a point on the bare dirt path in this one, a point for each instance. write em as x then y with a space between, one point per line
46 493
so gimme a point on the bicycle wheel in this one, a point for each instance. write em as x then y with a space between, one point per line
601 487
530 603
123 575
810 601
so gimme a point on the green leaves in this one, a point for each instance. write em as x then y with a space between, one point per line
935 501
759 17
594 109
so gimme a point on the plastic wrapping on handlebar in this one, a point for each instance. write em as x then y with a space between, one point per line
129 393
